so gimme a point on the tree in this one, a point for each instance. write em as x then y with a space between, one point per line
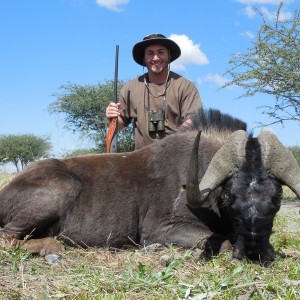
84 110
23 149
296 151
79 152
272 66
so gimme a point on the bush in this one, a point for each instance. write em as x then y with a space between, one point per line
296 151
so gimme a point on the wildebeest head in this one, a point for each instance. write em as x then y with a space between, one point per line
250 172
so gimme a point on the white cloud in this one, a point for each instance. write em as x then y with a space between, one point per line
272 15
250 12
190 52
248 34
272 2
112 4
214 78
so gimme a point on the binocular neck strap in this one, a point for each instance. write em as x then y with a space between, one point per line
164 100
164 94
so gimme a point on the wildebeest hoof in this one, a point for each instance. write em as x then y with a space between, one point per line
53 259
226 246
268 260
237 254
267 264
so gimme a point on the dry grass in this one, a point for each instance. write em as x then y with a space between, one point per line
5 179
288 193
168 273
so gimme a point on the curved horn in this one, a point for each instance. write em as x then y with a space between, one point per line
280 161
227 160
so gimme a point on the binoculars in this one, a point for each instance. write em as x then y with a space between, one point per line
156 120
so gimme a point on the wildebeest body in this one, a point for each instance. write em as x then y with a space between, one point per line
151 195
106 200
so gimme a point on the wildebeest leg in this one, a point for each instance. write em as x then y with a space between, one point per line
266 252
37 210
216 244
191 236
183 235
43 246
47 247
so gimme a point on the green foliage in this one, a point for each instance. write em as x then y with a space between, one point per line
144 276
84 109
23 149
296 151
78 152
272 67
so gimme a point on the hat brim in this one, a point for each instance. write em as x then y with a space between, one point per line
138 50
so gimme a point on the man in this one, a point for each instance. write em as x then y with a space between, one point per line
160 102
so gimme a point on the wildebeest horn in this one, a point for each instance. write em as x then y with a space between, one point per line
228 159
280 161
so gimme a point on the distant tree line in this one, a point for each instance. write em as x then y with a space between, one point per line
22 149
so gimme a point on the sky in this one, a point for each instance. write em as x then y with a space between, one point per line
48 43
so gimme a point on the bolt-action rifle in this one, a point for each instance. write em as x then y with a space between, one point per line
112 134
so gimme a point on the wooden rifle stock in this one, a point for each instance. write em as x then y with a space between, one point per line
112 134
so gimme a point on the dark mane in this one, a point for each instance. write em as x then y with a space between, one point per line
213 118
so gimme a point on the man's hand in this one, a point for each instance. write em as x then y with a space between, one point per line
112 111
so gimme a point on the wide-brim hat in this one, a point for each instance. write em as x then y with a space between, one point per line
138 50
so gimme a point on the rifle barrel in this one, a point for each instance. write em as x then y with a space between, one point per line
114 124
116 75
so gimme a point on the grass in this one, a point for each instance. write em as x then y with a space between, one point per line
168 273
288 194
5 179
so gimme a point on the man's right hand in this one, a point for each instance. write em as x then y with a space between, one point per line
112 111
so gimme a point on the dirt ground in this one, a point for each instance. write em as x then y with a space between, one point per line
290 205
291 210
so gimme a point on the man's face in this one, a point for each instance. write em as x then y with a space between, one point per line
156 58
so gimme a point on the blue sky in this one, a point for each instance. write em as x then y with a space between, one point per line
45 44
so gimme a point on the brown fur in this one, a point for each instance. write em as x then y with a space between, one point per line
112 200
107 199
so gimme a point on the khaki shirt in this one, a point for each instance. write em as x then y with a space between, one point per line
181 100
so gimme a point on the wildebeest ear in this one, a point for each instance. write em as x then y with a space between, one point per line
212 204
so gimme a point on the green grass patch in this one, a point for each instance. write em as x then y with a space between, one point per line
170 273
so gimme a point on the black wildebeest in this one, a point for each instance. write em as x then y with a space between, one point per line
151 196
